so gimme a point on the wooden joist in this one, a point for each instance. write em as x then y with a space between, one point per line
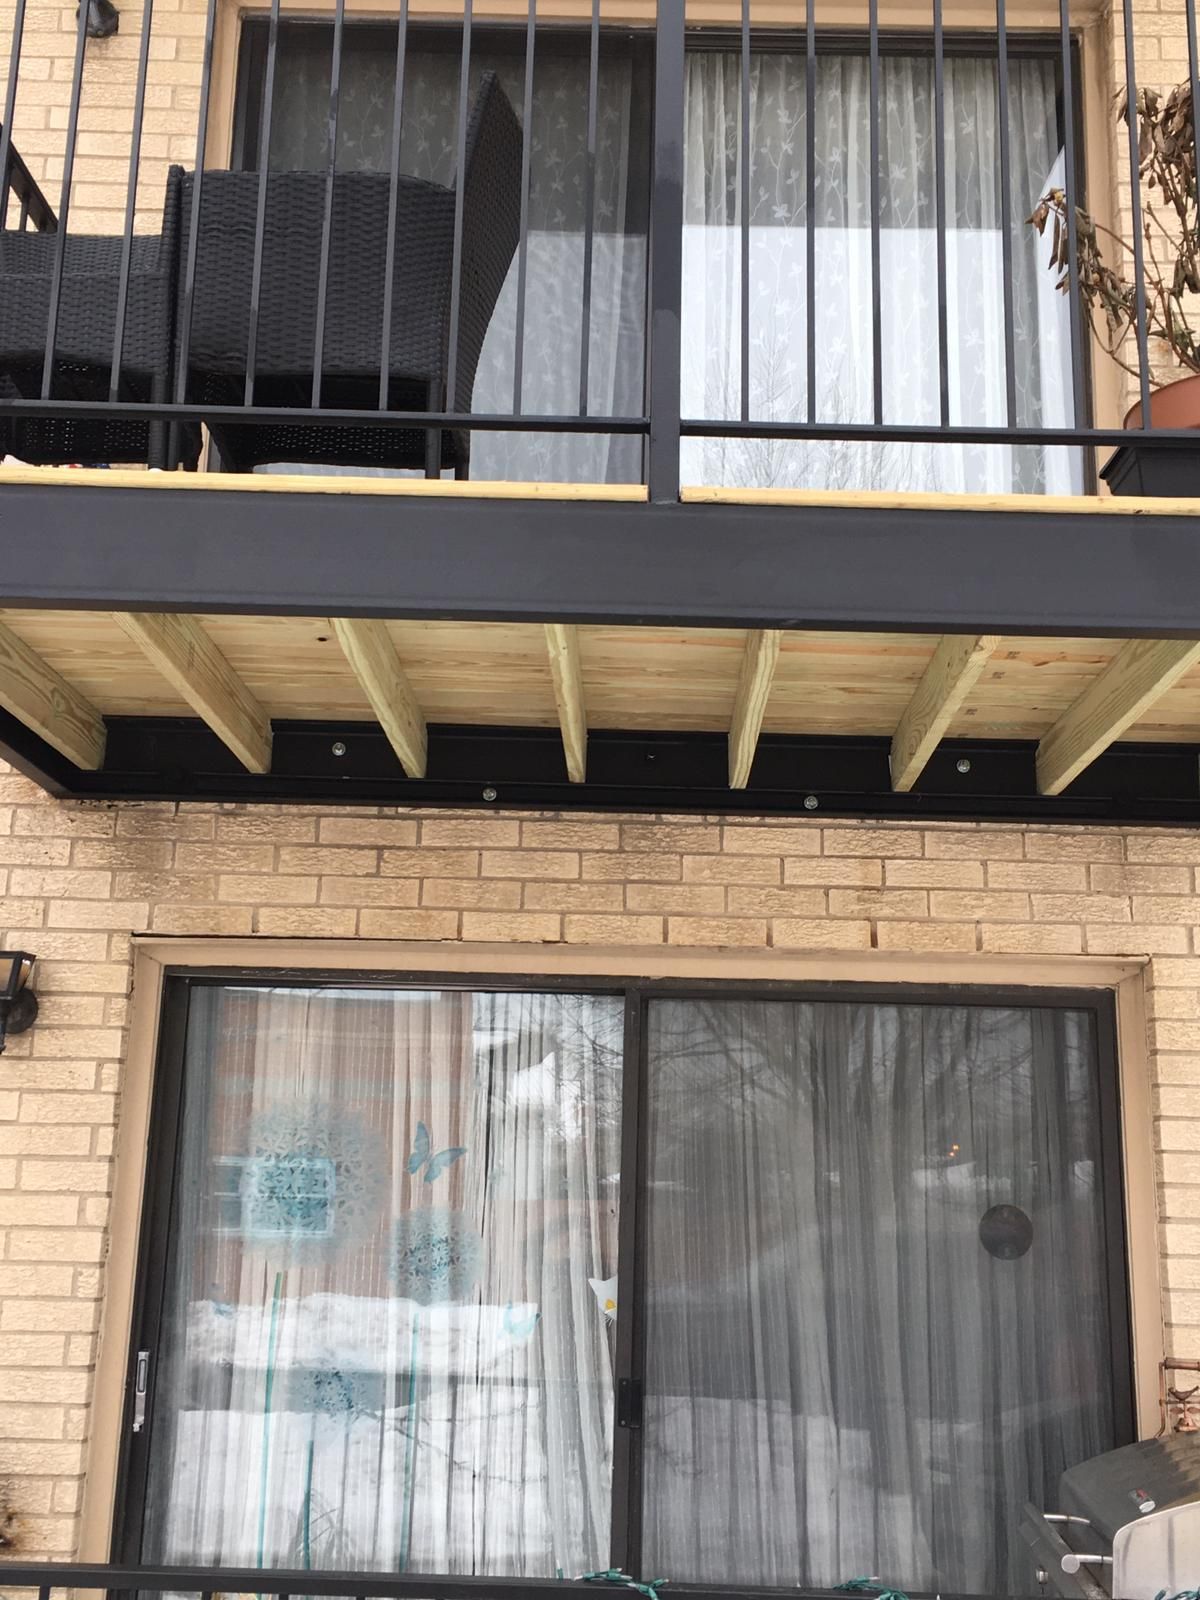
562 647
750 703
368 648
949 678
1138 674
194 667
44 701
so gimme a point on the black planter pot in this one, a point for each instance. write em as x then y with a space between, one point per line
1137 469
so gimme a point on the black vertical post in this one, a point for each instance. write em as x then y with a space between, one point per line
1071 189
744 138
876 208
265 121
1135 194
589 209
939 146
1006 216
810 203
135 156
666 251
335 94
64 205
523 247
389 259
188 298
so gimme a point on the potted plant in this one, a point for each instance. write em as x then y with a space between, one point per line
1171 257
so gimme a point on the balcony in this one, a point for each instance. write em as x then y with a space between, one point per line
253 251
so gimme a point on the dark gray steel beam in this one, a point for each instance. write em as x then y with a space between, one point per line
843 567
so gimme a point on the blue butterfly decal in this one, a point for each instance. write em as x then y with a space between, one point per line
422 1156
519 1327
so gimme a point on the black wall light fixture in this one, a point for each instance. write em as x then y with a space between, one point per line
18 1003
103 18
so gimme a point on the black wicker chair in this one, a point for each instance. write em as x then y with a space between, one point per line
218 343
87 317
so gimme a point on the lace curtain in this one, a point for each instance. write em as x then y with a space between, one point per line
382 1347
848 1372
844 298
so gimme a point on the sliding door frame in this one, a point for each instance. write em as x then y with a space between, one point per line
166 1128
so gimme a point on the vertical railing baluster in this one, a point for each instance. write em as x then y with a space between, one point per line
389 248
876 202
1070 185
135 157
1193 63
744 136
10 104
335 93
1006 216
589 208
666 251
266 117
22 215
188 300
523 245
810 202
939 187
64 205
460 186
1135 209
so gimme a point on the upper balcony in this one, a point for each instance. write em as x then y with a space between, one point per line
466 240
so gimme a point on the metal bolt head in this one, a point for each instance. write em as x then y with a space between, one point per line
489 793
963 764
338 748
811 802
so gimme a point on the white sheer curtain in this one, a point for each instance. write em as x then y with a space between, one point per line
842 1378
843 286
381 1348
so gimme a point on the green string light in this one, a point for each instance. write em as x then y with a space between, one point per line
615 1575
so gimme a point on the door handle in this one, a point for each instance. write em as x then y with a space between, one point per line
141 1376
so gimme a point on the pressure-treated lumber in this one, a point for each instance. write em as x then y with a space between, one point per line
191 663
1138 674
562 647
945 684
754 687
369 649
43 700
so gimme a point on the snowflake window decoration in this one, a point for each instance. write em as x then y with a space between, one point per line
312 1180
436 1256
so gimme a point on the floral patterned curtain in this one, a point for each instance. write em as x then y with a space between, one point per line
393 1210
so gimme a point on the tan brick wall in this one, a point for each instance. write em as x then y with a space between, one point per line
78 879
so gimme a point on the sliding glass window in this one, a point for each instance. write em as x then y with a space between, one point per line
734 1285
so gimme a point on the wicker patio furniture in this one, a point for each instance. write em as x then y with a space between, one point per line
420 289
83 344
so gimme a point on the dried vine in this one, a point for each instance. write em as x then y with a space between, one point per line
1170 237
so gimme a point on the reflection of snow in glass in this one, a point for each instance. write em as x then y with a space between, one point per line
436 1255
311 1181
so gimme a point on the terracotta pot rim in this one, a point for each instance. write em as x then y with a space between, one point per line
1184 398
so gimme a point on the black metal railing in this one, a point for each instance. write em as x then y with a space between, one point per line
366 390
206 1583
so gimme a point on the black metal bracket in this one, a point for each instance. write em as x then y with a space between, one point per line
340 763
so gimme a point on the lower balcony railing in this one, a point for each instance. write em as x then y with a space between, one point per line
205 1583
599 248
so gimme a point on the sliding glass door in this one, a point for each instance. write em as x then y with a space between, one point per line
878 1312
380 1346
870 1295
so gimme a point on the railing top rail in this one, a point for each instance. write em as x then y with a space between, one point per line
361 1585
